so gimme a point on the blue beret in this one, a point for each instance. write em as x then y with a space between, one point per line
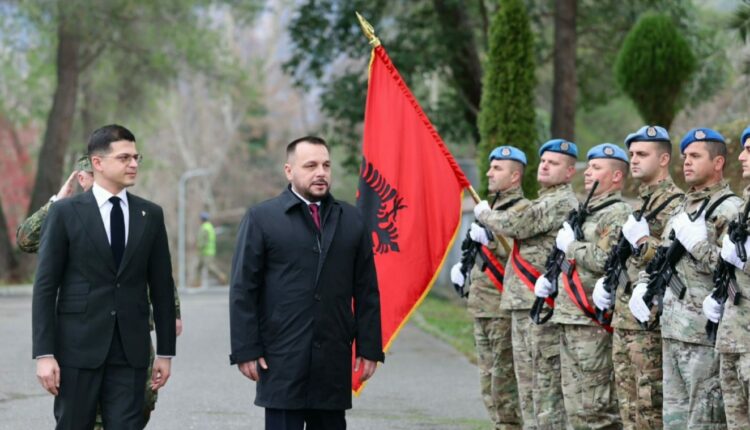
607 150
700 135
745 135
560 145
508 153
647 133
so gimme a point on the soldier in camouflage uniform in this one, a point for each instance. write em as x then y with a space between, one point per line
28 237
585 346
636 353
492 325
692 392
733 338
532 226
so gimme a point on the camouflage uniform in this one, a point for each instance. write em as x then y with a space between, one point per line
492 334
692 393
28 237
536 348
733 346
636 353
586 348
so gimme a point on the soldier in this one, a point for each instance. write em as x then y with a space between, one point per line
636 353
28 237
692 392
586 347
532 226
733 338
492 325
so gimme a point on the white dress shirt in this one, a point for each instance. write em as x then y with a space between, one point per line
105 209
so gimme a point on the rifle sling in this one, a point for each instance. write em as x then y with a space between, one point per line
572 284
492 268
651 215
526 272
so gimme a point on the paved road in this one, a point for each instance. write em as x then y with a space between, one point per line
424 384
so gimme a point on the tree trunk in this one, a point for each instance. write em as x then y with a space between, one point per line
466 69
8 262
565 86
60 119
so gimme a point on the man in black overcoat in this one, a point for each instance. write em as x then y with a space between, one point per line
99 252
303 289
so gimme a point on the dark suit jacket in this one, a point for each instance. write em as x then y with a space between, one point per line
299 298
78 292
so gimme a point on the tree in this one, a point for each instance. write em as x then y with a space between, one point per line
565 82
652 68
507 113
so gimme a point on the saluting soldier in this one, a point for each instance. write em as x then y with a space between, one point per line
636 352
532 226
692 393
586 346
492 325
733 338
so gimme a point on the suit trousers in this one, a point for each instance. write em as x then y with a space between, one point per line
309 419
115 384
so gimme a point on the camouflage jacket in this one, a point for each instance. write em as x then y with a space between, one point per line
683 320
28 237
484 298
734 327
660 193
29 233
533 226
600 232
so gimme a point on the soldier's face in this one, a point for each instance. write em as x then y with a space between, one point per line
646 160
699 168
501 175
118 168
745 159
554 169
606 172
308 169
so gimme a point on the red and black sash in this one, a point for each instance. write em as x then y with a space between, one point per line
492 267
526 272
572 285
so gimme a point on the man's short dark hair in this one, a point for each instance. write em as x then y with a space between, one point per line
100 139
716 149
314 140
664 146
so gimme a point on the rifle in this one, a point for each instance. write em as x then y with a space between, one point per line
469 251
616 272
662 272
556 261
724 277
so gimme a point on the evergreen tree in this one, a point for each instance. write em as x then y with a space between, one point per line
653 67
506 115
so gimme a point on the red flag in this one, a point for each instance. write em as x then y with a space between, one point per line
410 195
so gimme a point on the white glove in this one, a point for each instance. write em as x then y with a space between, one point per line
729 252
543 287
456 276
479 234
481 207
602 299
635 230
638 307
565 236
712 309
690 233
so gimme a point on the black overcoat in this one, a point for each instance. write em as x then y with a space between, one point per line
299 297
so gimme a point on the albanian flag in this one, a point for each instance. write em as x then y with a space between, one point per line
410 195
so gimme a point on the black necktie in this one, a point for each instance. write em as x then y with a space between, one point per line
117 230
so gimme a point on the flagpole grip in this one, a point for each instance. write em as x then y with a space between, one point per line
474 194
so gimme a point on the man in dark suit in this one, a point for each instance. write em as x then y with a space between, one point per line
303 288
99 252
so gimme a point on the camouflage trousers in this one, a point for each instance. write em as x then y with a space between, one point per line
636 356
495 362
588 377
692 392
536 358
151 396
735 382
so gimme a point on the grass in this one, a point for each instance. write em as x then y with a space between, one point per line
447 320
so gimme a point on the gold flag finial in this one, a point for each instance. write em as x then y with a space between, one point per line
368 30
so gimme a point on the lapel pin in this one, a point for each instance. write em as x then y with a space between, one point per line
143 213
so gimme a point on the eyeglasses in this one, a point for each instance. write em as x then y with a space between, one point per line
125 158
